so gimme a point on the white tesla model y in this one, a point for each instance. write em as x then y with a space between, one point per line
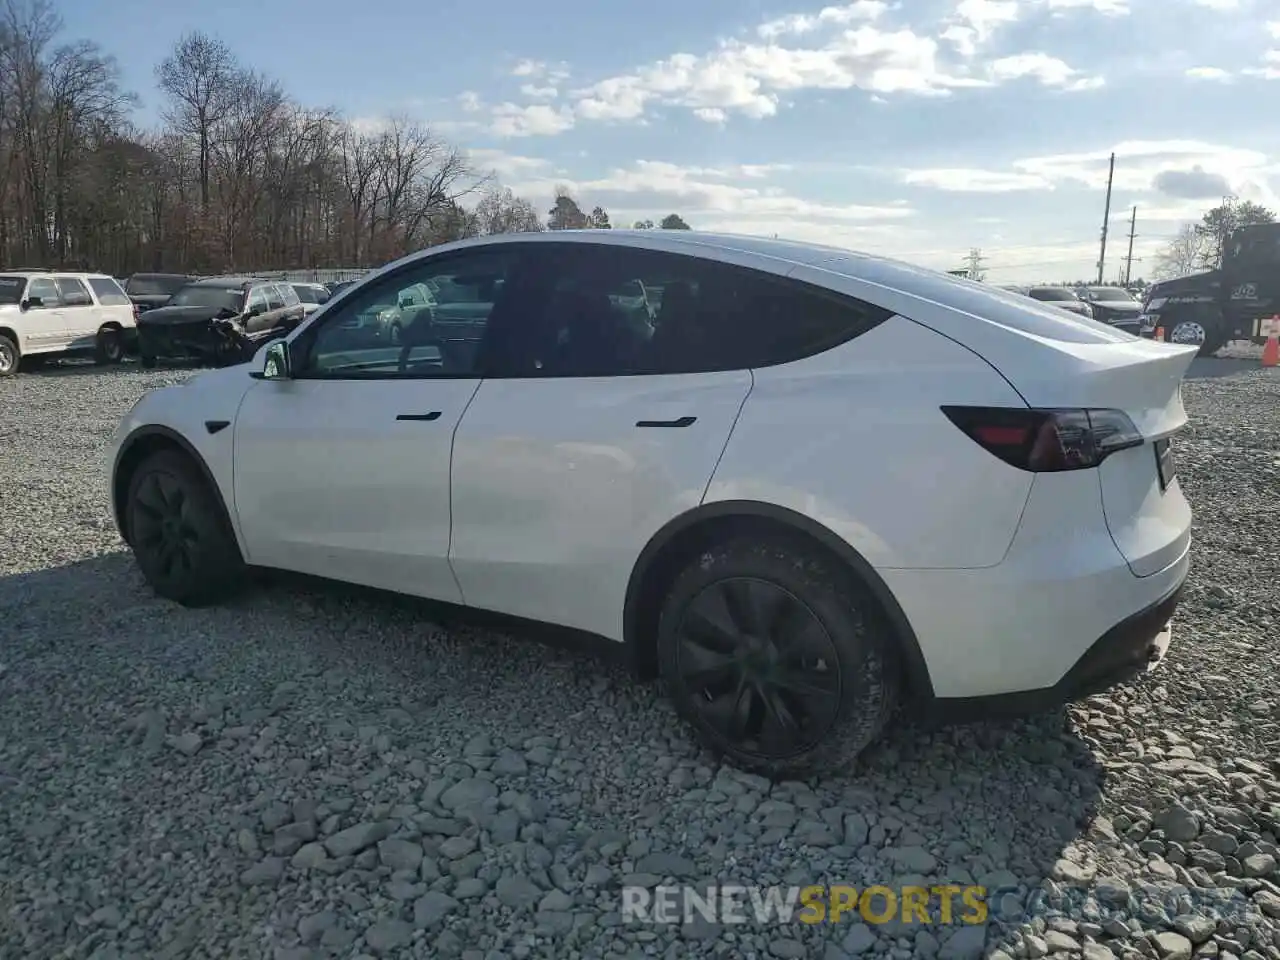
802 485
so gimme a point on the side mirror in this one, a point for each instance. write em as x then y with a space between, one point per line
257 309
275 362
30 302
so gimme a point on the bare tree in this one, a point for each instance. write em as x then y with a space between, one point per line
501 211
1183 254
239 177
202 79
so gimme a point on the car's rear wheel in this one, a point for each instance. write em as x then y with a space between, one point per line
779 662
109 347
180 535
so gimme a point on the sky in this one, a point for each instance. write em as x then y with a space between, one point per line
916 129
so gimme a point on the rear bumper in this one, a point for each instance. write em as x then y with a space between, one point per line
1020 628
1133 647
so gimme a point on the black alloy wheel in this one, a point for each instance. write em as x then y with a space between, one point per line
179 534
762 664
777 657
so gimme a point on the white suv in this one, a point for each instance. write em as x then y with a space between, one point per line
800 484
47 314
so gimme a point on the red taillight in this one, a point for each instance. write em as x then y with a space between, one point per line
1047 441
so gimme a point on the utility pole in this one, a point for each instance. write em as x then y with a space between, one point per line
1106 217
1128 260
974 261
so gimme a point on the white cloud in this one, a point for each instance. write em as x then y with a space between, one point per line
535 92
839 48
1140 164
651 187
1209 73
528 68
1273 28
508 165
1110 8
1050 71
1219 4
798 23
963 180
539 119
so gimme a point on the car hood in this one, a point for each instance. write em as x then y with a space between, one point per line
1119 306
179 315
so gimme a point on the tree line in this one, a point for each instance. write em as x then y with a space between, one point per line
239 175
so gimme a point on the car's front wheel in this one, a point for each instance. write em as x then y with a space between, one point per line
180 535
779 662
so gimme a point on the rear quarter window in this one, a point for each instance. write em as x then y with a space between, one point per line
108 292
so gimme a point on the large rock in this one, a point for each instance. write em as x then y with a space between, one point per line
349 842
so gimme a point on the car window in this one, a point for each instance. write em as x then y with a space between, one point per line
154 286
108 292
396 327
257 299
275 296
614 310
200 295
1051 293
307 293
11 289
46 290
288 294
73 292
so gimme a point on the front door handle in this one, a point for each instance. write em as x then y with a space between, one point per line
421 417
681 422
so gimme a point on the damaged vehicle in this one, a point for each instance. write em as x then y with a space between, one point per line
221 320
1210 309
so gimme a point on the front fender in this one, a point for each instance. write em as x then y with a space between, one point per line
198 417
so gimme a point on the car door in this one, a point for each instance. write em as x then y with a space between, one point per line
588 433
255 308
79 312
342 470
45 325
275 309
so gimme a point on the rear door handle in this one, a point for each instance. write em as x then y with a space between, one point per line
681 422
420 417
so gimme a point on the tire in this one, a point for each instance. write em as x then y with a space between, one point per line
168 486
1202 328
8 357
848 646
395 333
109 348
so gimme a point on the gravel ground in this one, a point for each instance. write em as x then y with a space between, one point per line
320 773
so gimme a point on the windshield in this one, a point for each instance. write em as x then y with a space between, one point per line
1105 294
1053 293
154 286
11 289
224 298
309 294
